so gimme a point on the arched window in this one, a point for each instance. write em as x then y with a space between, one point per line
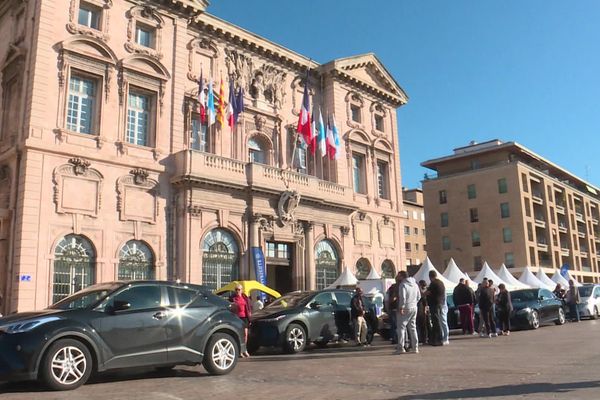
327 264
363 267
388 270
220 259
257 151
136 261
74 265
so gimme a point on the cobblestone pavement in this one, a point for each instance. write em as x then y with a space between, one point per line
552 362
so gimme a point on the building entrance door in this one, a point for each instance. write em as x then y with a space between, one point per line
279 266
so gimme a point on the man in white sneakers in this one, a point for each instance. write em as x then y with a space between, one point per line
408 297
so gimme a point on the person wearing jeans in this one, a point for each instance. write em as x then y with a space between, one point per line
436 297
357 312
573 301
409 295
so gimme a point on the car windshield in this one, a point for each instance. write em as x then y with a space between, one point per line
585 291
288 301
524 295
85 298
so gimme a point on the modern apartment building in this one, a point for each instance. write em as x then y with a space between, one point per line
502 203
108 171
415 244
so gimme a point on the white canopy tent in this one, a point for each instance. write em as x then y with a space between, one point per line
454 274
347 278
575 281
487 272
373 274
558 278
511 282
423 274
541 275
528 278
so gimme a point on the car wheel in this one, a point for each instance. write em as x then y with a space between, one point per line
595 313
534 321
561 317
221 354
66 365
295 338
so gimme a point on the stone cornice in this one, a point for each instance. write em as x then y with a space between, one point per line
190 7
395 100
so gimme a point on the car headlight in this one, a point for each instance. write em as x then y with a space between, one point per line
25 326
526 310
278 318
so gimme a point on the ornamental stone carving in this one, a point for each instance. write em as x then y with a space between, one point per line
137 197
77 188
286 208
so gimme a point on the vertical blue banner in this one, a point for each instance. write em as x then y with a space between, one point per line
564 271
260 267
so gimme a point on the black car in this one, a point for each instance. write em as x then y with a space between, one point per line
298 318
533 307
120 325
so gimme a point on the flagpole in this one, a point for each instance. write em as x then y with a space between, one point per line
291 166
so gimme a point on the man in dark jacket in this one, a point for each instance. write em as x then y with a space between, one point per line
436 296
464 299
486 303
357 313
391 307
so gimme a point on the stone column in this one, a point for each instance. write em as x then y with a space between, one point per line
309 256
253 242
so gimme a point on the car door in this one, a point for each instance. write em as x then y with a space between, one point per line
548 306
134 335
341 311
321 317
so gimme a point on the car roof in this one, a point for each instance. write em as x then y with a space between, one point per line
157 282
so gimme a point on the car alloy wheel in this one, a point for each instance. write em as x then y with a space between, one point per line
67 365
295 338
561 317
595 313
535 320
221 354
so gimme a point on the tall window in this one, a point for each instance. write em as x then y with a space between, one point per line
144 35
219 259
138 119
363 268
89 15
502 186
257 151
327 264
444 219
199 134
507 235
382 179
355 111
379 123
407 246
74 266
475 239
82 99
136 261
474 215
388 270
509 260
443 198
445 243
477 263
504 210
471 192
407 230
358 169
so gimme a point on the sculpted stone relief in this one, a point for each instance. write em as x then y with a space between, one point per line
77 188
137 197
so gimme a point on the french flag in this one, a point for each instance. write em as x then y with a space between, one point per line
231 106
304 124
202 98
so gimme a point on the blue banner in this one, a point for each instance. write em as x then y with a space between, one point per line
564 271
260 268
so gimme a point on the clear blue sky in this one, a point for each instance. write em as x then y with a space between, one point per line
527 71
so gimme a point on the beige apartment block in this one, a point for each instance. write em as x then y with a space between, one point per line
107 171
415 243
502 203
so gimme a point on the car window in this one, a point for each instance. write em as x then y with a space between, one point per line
585 291
323 299
180 297
545 294
343 298
523 295
597 291
141 297
450 301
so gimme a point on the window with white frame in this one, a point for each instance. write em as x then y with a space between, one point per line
382 180
139 121
81 104
358 172
89 15
145 35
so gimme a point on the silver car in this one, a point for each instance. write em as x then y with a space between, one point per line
589 303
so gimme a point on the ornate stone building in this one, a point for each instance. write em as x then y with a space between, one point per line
106 171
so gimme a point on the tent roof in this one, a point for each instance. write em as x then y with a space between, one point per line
569 276
453 274
487 272
347 278
373 274
528 278
509 279
423 274
541 275
558 278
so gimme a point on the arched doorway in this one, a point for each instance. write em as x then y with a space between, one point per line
74 266
363 267
327 264
220 258
388 270
136 261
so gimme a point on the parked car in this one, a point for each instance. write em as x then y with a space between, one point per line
298 318
589 304
120 325
533 307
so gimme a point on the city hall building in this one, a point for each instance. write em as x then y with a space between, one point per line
108 172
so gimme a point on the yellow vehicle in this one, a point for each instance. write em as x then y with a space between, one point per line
248 287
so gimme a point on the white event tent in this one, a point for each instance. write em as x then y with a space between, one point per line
423 274
575 281
373 274
510 281
558 278
528 278
454 274
347 278
487 272
541 275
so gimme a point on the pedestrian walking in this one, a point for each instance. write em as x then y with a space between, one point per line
409 295
243 310
464 299
504 308
486 302
436 297
357 313
423 320
573 301
391 305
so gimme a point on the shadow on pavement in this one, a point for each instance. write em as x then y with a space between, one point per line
505 390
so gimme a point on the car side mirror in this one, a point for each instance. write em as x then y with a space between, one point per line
118 305
315 305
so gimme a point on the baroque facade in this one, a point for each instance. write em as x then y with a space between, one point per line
107 172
